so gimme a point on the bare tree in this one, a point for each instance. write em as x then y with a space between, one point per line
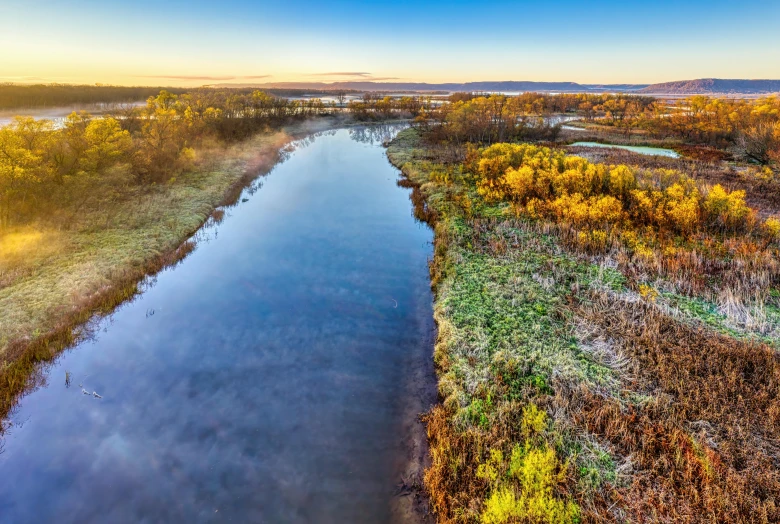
760 142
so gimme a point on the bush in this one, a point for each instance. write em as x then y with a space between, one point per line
545 183
772 227
538 472
727 210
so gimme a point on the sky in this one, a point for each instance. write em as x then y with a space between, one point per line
192 42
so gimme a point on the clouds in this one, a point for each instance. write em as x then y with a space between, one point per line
344 73
204 78
357 75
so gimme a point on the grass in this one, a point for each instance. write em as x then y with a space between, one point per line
52 280
759 322
653 403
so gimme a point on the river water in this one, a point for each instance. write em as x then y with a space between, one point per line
272 376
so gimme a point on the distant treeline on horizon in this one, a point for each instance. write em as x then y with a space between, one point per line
702 86
16 96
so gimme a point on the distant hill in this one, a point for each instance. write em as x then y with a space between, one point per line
506 85
705 86
683 87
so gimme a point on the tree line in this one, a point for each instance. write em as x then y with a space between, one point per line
373 106
489 119
750 127
14 96
44 167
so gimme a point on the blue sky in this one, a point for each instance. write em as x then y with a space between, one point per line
195 42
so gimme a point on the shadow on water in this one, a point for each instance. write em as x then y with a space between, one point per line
274 375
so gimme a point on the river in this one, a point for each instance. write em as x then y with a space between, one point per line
274 375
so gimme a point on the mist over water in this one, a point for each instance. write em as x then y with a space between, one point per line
264 379
58 114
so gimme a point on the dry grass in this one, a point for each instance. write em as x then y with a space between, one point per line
706 447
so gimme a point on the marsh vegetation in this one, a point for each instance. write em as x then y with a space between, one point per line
608 326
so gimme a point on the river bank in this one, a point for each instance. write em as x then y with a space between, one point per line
566 366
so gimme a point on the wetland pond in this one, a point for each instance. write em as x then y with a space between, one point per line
642 150
274 375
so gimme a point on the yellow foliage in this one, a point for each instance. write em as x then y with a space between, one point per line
520 182
726 209
670 251
648 292
501 507
106 142
681 211
629 238
544 183
535 208
489 470
538 471
605 209
621 181
534 421
599 237
772 227
644 203
570 208
576 210
642 251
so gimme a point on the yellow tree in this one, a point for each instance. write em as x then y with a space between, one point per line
19 171
107 144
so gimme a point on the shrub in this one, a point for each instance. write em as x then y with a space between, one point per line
534 421
521 182
772 227
605 210
727 210
538 471
621 181
681 209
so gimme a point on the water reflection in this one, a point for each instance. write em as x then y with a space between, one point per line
642 150
264 379
378 134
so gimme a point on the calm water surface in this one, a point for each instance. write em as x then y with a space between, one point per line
264 379
642 150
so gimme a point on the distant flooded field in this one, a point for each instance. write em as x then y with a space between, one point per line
59 113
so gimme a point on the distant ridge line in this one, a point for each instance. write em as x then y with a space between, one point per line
682 87
504 85
715 86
